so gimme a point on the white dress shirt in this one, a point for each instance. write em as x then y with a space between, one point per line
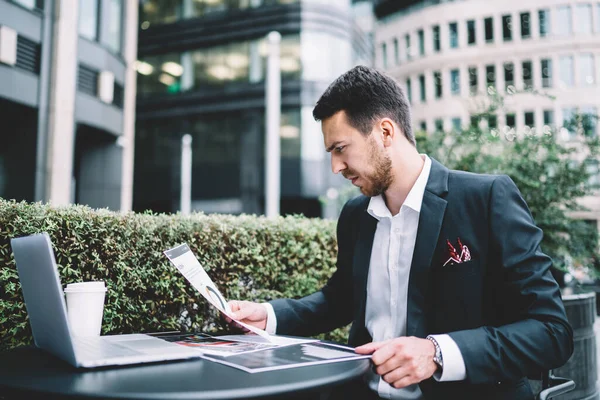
387 286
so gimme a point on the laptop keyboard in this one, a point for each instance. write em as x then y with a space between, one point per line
92 348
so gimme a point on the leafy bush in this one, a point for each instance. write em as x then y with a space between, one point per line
248 257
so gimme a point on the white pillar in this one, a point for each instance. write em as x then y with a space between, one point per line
63 86
186 174
272 122
130 57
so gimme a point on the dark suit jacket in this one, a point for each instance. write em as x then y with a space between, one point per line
503 308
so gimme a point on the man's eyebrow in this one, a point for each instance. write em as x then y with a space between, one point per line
333 146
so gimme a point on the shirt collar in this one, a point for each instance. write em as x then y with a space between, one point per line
377 207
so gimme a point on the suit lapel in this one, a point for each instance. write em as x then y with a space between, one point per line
430 223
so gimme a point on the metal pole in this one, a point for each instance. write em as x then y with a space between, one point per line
186 174
272 122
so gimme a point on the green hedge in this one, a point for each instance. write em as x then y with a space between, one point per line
248 257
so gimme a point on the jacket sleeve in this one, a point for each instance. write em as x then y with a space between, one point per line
535 335
330 307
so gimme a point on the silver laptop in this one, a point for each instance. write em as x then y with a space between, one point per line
47 311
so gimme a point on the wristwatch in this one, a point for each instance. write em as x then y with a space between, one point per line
437 358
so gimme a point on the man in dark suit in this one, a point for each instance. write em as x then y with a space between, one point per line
439 271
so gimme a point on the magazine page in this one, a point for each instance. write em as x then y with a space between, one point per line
294 356
189 266
219 346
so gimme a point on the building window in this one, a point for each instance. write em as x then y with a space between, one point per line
567 76
422 88
409 90
527 75
586 69
473 80
421 36
548 117
455 82
507 28
570 120
546 73
592 167
529 118
471 36
490 76
453 35
583 18
474 121
564 26
492 122
589 120
88 19
436 38
384 59
423 126
31 4
456 124
396 51
509 76
525 25
439 125
408 49
511 120
489 29
544 16
114 32
437 79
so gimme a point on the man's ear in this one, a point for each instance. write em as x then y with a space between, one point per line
388 132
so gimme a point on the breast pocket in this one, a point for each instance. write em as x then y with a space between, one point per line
458 293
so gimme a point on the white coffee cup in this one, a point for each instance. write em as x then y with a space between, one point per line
85 307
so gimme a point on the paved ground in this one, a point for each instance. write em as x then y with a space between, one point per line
597 330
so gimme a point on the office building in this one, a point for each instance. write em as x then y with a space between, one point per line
201 71
67 101
450 54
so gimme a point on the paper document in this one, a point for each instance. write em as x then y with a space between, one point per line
187 263
289 357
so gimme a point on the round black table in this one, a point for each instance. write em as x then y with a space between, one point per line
28 372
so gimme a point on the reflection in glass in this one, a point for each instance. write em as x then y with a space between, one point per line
436 38
455 81
88 19
567 76
525 25
490 75
115 25
509 76
473 80
437 81
544 17
546 73
583 18
471 37
527 74
507 27
564 25
453 35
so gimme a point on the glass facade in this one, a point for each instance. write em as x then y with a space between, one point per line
396 51
234 62
115 25
564 22
169 11
546 73
471 36
527 68
509 75
583 18
437 81
423 96
88 19
409 90
436 38
455 82
525 25
453 35
421 36
567 74
544 22
490 76
473 80
488 24
507 28
585 64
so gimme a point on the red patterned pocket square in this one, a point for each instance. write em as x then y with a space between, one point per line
453 255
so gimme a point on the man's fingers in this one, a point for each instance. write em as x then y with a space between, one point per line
369 348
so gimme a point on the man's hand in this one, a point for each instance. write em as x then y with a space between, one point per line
250 313
402 361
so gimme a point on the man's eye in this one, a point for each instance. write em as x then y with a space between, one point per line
339 149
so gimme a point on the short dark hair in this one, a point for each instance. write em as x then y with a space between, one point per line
366 94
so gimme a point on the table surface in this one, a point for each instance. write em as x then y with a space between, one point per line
32 370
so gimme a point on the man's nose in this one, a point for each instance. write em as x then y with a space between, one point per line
337 165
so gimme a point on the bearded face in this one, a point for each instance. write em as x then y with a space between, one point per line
375 178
